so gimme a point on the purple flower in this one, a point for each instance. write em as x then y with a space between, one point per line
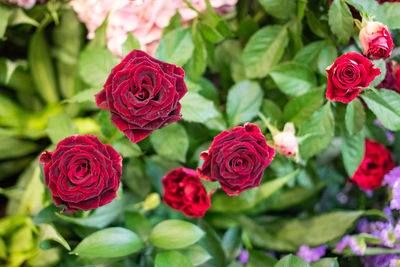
243 256
350 242
395 202
311 254
391 177
383 260
386 238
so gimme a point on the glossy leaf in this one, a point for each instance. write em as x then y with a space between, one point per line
292 261
355 116
340 20
176 47
172 259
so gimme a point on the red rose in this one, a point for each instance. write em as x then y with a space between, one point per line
375 40
398 76
348 74
376 163
390 82
237 159
82 173
184 191
142 94
389 1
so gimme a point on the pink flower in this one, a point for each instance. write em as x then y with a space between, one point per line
23 3
286 141
375 40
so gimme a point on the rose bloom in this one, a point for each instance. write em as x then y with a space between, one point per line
286 142
142 94
82 173
391 80
375 40
184 191
376 163
348 74
237 159
397 74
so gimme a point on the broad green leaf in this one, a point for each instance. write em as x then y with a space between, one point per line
264 50
171 259
371 7
19 17
381 64
135 178
101 217
310 53
21 240
326 58
49 232
325 262
157 167
300 108
317 132
60 127
171 142
84 96
42 68
244 102
95 65
126 148
197 64
355 116
353 147
232 242
292 261
176 47
272 112
281 9
5 13
107 128
109 243
317 26
130 44
210 33
46 215
212 243
260 258
196 108
385 105
14 148
173 234
196 254
340 20
293 78
138 223
389 14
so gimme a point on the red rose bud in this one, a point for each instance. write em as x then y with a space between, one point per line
184 191
286 142
375 40
376 163
237 159
348 74
142 94
82 173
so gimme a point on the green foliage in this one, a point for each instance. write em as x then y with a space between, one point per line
340 20
172 259
176 47
291 260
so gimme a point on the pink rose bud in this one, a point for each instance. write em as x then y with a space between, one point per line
286 141
375 40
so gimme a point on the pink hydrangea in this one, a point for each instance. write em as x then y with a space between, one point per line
23 3
145 19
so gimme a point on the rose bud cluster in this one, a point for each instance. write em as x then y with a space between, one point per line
375 40
286 142
348 74
184 191
376 163
142 94
237 159
82 173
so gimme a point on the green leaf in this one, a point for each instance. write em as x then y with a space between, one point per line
176 47
49 232
300 108
197 64
95 65
19 17
173 234
14 148
281 9
369 6
292 261
317 26
325 262
389 14
385 105
264 50
210 33
340 20
381 64
353 147
171 259
355 116
260 258
244 102
272 112
5 13
326 58
157 167
126 148
130 44
108 243
196 254
293 78
196 108
317 131
60 127
171 142
46 215
84 96
137 223
309 54
107 128
41 67
232 242
212 243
